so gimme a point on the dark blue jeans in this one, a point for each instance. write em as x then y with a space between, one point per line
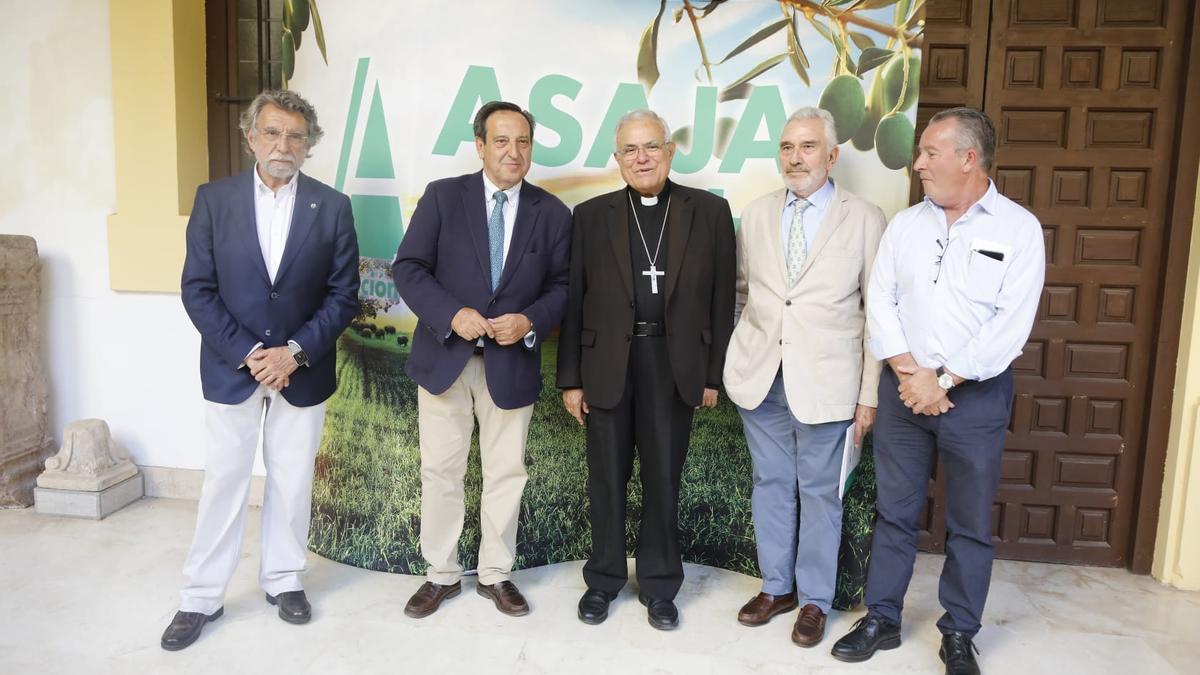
970 440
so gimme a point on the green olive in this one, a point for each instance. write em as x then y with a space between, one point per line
843 98
894 141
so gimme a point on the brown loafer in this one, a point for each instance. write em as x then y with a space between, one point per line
763 606
429 597
506 596
810 626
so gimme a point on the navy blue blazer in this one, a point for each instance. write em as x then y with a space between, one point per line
232 302
443 264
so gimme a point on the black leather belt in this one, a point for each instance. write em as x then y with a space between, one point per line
649 328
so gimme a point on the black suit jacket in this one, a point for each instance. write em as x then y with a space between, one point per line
593 348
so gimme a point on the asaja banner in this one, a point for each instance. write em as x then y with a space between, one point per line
397 85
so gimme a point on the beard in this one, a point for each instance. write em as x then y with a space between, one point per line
281 169
805 183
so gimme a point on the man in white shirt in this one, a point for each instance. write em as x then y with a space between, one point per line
951 302
483 265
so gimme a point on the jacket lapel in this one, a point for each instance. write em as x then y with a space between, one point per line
772 232
304 214
679 219
834 215
619 236
247 220
526 221
476 211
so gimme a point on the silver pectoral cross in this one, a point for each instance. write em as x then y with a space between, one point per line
654 274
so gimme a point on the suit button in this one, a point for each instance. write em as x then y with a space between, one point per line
788 303
267 332
274 295
631 303
781 342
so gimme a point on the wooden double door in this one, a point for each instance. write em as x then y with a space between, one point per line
1087 97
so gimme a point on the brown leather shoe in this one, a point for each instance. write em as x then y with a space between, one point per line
810 626
429 597
763 606
506 596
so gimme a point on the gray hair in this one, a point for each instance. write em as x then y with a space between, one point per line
810 113
285 100
973 132
639 115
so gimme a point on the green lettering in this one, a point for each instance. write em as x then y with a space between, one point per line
570 132
478 86
765 104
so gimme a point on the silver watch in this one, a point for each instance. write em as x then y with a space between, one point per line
944 380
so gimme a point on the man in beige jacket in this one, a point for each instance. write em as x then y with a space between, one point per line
798 370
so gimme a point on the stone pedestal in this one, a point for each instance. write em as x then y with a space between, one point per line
90 477
24 430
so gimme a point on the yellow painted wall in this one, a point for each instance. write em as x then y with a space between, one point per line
1177 547
161 138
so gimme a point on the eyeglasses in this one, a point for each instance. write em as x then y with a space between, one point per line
272 135
652 149
935 270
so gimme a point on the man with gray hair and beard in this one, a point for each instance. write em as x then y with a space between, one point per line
798 370
270 281
642 345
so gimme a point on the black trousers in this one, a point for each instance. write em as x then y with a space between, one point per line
651 417
970 440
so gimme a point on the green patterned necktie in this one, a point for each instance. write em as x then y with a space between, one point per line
496 236
797 247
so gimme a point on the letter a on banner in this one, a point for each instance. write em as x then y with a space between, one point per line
373 189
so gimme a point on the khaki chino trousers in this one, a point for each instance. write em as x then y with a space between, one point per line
445 422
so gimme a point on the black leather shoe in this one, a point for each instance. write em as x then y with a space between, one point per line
593 606
956 654
662 614
185 628
870 633
293 606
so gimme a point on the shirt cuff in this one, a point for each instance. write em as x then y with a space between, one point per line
961 367
530 339
887 345
253 349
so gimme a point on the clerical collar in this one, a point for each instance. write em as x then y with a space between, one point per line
653 200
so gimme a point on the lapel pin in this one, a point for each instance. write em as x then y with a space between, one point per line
312 205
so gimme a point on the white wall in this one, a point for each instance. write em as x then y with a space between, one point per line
131 359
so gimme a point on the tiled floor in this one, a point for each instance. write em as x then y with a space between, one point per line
81 596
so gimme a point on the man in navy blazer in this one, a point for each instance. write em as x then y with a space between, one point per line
270 281
483 265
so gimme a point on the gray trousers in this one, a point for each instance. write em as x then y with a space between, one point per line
970 440
795 504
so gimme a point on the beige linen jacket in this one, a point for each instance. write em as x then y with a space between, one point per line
816 328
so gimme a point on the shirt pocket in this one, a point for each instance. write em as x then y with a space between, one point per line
984 276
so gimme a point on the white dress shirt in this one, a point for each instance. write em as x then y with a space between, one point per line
811 218
962 296
273 221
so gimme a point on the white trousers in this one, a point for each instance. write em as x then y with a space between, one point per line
291 436
445 422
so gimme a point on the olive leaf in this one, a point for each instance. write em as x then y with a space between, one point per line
872 58
647 59
754 72
708 9
289 19
794 40
875 4
296 15
917 15
318 29
762 34
862 40
742 91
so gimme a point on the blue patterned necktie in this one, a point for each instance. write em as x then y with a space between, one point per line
797 247
496 236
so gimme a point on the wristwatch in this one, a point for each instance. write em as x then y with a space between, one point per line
944 380
298 354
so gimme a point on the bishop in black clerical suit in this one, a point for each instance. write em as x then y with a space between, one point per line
642 345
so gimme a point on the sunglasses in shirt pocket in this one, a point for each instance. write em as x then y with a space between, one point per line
988 262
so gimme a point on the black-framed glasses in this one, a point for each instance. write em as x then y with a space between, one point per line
935 270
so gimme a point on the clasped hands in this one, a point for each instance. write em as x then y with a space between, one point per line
506 329
920 391
272 367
